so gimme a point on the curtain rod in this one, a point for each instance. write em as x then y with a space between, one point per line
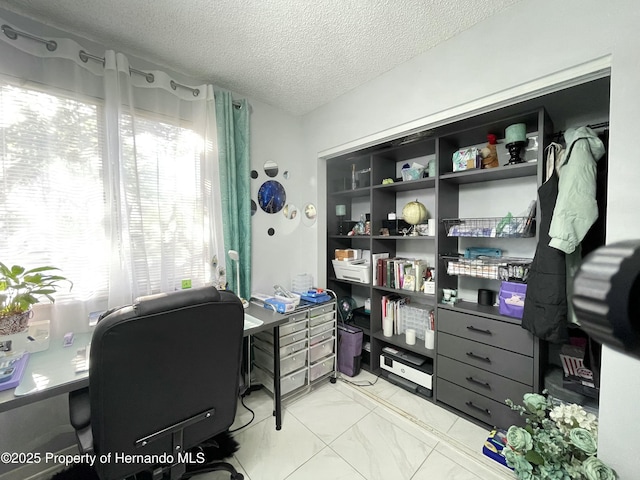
51 45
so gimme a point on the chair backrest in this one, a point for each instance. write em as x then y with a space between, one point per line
162 372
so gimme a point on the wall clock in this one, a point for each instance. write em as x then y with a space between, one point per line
272 196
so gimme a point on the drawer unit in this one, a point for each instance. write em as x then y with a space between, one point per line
288 383
293 327
292 338
286 329
323 318
508 364
323 327
321 368
486 330
321 337
480 381
473 404
307 348
320 350
322 309
288 364
286 350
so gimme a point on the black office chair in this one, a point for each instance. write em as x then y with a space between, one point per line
163 378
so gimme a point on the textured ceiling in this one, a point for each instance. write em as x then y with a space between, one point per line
293 54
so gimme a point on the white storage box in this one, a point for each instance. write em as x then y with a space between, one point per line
356 271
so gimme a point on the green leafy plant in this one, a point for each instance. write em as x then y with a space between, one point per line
21 288
559 442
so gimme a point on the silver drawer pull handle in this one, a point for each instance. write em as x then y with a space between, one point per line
483 410
478 382
478 330
478 357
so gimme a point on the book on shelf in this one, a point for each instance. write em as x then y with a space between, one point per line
391 310
400 273
376 264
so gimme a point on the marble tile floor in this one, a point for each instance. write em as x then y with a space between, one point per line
346 432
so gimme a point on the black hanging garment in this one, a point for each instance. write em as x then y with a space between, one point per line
545 305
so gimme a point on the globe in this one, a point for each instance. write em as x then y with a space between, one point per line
415 213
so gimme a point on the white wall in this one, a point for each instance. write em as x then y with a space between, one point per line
533 39
277 136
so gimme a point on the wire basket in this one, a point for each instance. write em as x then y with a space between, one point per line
493 227
494 268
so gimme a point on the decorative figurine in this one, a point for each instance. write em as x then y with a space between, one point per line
489 153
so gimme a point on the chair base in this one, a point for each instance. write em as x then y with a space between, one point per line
215 467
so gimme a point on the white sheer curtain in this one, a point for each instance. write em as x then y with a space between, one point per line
108 174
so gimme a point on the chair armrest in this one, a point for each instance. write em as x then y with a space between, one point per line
80 418
79 408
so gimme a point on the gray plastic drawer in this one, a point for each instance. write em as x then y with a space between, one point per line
293 347
508 364
292 327
284 351
486 330
288 364
323 327
288 383
314 312
321 337
480 381
321 368
293 362
297 316
285 329
263 358
489 411
327 317
320 350
293 338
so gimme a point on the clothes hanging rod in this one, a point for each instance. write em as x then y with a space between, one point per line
593 126
51 45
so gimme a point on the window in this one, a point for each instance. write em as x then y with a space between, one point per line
54 194
52 202
165 203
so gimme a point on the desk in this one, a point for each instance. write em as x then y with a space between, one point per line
52 372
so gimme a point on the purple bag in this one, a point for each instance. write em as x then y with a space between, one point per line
349 349
511 299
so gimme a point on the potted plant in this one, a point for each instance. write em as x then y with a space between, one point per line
559 441
20 289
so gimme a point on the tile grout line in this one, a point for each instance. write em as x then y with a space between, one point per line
452 442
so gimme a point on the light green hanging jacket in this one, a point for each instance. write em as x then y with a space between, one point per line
576 208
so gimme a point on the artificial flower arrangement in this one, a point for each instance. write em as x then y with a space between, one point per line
559 442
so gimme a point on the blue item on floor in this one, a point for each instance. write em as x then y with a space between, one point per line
494 445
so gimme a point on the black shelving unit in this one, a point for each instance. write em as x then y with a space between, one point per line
463 327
